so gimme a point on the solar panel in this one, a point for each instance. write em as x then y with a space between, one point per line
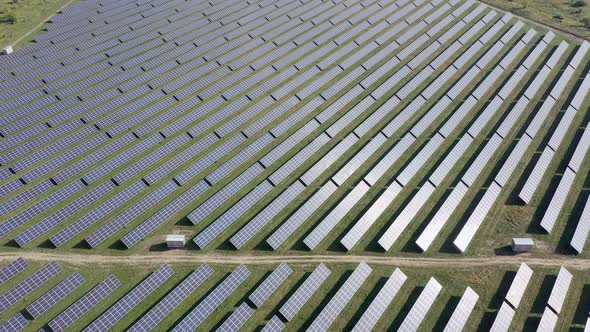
204 309
314 238
331 311
304 292
55 295
28 285
535 177
380 303
519 284
270 285
303 213
172 300
237 319
353 164
328 159
120 309
16 323
274 325
582 229
405 217
156 220
462 311
560 289
558 200
503 319
11 269
368 219
266 215
84 304
224 194
548 321
421 306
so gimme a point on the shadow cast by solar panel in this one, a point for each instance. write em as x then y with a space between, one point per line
27 315
405 310
46 245
445 315
118 245
448 246
326 299
365 304
82 245
531 323
496 302
542 298
583 307
226 246
575 217
184 221
11 244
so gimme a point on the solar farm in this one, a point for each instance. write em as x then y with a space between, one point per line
333 165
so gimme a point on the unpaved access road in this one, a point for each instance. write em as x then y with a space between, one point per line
180 257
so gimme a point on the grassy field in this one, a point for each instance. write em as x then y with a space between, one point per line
491 284
568 15
17 17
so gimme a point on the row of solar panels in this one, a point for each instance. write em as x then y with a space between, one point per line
150 320
119 161
289 309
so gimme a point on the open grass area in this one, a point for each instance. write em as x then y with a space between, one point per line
568 15
17 17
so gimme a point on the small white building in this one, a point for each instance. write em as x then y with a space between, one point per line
520 244
6 50
175 241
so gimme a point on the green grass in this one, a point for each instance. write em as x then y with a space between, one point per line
17 17
556 13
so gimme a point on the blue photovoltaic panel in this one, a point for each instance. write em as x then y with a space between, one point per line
11 269
304 292
84 304
56 294
331 311
204 309
17 323
28 285
270 284
150 320
237 319
115 313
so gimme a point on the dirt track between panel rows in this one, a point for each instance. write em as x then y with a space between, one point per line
188 258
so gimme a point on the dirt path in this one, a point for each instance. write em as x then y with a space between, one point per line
186 258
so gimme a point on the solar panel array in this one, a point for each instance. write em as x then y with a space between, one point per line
17 323
304 292
84 304
421 306
462 311
197 104
55 295
383 299
202 311
29 284
270 285
131 300
150 320
11 269
344 294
